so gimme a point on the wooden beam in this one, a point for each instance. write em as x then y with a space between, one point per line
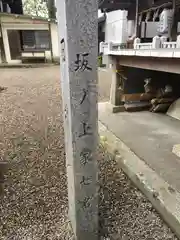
164 5
114 5
170 65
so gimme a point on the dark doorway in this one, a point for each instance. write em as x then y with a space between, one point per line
2 53
14 44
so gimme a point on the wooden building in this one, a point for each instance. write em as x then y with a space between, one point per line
27 38
145 81
143 10
152 57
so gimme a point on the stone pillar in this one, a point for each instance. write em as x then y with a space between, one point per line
163 40
6 45
101 47
115 91
136 41
156 43
178 42
78 36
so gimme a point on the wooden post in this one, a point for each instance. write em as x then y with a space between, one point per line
174 22
78 36
51 9
137 19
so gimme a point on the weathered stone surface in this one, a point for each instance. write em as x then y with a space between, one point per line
78 31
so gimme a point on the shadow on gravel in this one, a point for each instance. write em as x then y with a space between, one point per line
2 89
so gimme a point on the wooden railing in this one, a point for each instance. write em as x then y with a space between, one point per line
169 45
143 46
157 43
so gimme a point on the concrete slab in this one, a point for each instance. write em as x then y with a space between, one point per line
142 143
163 197
107 106
151 136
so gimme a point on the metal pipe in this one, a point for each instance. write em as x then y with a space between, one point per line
50 39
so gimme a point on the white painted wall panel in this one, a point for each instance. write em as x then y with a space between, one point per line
116 27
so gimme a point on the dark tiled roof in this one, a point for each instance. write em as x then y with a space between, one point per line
118 4
126 4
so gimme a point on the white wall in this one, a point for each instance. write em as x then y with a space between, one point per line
116 27
131 28
151 29
55 41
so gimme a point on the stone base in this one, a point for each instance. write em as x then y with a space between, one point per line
116 109
104 106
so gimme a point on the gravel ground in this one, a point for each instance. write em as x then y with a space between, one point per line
34 203
125 213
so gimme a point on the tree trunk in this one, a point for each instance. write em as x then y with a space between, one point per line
51 9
